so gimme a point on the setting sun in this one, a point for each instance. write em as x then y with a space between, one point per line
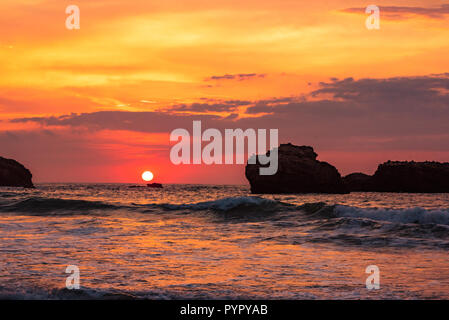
147 176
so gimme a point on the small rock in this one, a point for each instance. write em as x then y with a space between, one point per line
155 185
14 174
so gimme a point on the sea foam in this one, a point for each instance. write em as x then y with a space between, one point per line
412 215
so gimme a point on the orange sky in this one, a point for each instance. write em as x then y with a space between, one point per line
152 56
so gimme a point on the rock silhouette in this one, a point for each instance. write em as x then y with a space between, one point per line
155 185
14 174
358 182
298 172
403 176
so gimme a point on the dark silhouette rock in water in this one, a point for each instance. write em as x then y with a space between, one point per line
155 185
298 172
149 185
358 182
403 176
14 174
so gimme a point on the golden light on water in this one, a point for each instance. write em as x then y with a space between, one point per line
147 176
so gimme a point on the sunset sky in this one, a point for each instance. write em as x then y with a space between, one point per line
98 104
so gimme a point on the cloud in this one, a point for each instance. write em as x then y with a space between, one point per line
239 77
427 89
223 106
353 123
347 114
374 110
154 122
401 12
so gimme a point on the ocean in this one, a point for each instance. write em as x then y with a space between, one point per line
220 242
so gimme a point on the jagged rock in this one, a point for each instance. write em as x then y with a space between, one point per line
298 172
403 176
14 174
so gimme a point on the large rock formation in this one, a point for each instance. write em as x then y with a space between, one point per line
298 172
14 174
403 176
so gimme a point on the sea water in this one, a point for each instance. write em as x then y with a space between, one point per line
220 242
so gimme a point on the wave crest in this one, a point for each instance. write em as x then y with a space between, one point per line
40 206
412 215
231 204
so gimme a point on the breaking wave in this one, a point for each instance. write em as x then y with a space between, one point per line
54 206
240 205
412 215
231 204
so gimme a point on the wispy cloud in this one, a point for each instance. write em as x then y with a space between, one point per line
386 108
239 77
402 12
222 106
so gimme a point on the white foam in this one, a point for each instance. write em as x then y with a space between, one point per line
412 215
